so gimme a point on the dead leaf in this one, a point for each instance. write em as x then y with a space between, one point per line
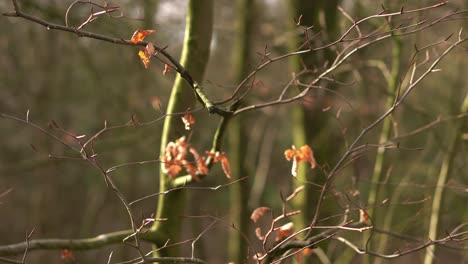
303 154
144 58
284 231
226 167
219 156
140 35
258 213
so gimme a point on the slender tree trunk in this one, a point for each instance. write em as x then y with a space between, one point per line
310 10
308 123
445 169
240 192
195 54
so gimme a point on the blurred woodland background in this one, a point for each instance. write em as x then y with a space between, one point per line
79 83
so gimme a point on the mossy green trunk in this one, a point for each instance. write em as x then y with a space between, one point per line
239 193
195 54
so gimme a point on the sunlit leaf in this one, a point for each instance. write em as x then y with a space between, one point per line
144 58
289 153
140 35
307 155
303 154
284 231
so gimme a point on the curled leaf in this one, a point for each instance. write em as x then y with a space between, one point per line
258 213
219 156
226 167
258 233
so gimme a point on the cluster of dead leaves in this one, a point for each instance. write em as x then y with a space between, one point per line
303 154
149 51
175 159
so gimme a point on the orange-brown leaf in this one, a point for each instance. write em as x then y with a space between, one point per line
174 157
284 231
258 213
144 58
140 35
306 154
172 170
226 167
289 153
303 154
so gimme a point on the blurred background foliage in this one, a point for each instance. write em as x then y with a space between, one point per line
79 83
